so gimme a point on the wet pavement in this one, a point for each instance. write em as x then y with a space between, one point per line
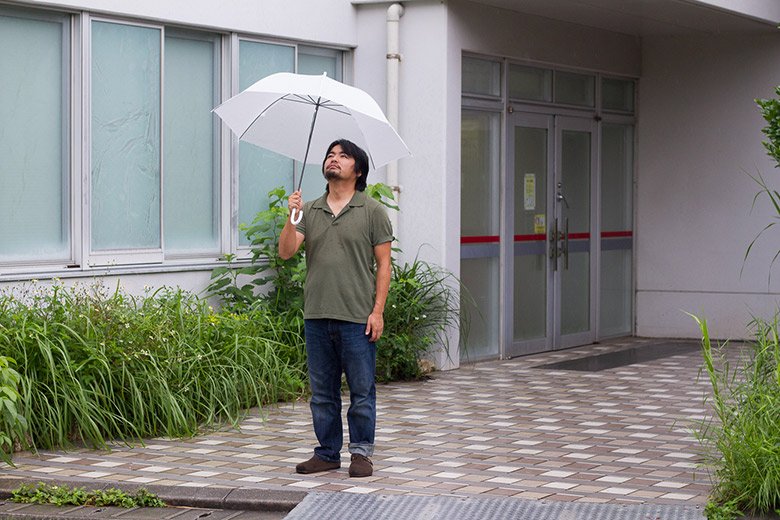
619 435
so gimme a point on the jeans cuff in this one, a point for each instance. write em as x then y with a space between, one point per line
367 450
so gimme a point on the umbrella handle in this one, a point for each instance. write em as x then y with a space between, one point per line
296 218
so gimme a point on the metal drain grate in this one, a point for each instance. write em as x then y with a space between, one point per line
621 358
318 506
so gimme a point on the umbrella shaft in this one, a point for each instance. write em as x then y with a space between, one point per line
308 144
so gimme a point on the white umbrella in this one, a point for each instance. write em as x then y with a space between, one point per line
275 112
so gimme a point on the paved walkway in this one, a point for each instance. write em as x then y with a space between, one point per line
493 429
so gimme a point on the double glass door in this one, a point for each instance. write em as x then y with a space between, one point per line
549 294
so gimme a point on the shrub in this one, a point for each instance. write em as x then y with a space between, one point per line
742 441
13 425
99 365
421 306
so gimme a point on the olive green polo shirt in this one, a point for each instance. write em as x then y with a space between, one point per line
341 268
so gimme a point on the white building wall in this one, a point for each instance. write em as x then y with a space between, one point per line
699 137
322 21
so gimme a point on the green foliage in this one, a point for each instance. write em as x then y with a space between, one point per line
99 365
13 425
742 441
726 511
66 496
770 111
421 305
274 282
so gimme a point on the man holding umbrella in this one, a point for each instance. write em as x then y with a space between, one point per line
348 237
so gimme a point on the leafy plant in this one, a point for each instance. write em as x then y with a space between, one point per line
770 111
99 365
13 425
421 306
742 441
66 496
274 282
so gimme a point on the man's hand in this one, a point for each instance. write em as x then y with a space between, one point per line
290 239
295 201
375 326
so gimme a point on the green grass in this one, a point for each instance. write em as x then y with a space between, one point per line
742 441
67 496
98 365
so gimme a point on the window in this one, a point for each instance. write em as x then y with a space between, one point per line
530 83
125 138
481 77
127 166
190 147
617 95
574 89
35 225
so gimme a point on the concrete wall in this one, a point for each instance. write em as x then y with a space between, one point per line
699 138
323 21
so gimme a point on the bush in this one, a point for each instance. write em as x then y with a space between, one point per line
99 365
13 425
742 441
421 306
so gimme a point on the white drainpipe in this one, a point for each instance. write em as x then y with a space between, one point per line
394 14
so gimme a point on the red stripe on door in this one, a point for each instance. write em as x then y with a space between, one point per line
540 237
617 234
485 239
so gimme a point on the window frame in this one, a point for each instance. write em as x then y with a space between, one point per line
68 184
218 40
121 256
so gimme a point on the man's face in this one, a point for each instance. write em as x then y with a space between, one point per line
338 165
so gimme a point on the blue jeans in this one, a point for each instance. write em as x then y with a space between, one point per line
333 347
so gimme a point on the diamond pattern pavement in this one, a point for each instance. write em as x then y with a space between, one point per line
491 429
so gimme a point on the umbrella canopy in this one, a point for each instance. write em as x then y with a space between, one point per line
292 113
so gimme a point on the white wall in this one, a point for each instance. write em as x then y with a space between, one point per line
490 30
323 21
699 136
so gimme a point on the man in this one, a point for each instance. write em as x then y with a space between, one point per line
346 234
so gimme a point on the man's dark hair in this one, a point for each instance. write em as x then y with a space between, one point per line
357 153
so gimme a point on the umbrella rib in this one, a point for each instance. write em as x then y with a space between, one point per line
309 100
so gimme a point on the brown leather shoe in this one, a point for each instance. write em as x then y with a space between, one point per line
360 466
315 465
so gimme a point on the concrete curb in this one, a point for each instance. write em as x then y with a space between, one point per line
236 498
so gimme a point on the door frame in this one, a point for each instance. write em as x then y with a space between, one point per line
554 122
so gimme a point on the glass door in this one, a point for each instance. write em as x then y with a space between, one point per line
573 263
548 295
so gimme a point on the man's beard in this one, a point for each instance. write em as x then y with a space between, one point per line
331 174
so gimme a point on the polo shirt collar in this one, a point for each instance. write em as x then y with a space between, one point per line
357 200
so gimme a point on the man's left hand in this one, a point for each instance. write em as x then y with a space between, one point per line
375 326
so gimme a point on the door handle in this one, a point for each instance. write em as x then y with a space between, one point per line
554 245
565 247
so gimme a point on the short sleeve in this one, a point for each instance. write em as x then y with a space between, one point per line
381 229
300 227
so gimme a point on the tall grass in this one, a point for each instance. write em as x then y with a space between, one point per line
99 365
742 442
422 306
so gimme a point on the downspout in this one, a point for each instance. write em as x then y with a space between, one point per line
394 14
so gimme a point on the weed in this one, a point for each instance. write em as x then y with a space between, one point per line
742 441
66 496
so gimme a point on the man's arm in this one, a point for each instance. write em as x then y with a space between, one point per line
290 239
376 323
